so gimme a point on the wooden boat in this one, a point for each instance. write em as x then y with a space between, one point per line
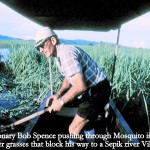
58 123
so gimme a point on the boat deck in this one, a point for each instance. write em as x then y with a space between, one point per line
54 124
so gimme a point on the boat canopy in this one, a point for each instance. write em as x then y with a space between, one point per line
96 15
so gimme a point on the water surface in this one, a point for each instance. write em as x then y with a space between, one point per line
4 54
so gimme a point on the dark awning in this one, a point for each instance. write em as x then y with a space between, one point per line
102 15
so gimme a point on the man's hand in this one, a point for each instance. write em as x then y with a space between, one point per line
56 106
51 99
53 103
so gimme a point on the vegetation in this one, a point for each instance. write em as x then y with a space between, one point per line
29 72
131 78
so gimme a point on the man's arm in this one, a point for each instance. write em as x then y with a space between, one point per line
78 88
64 87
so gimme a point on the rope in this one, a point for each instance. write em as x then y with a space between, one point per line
50 74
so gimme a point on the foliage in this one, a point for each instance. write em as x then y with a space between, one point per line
131 78
29 71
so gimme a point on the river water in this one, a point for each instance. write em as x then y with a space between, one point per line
5 100
4 54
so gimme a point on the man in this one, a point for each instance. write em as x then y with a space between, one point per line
82 78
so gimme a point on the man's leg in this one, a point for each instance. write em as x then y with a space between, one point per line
76 126
89 132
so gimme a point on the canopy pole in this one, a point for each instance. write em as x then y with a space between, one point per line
115 57
50 73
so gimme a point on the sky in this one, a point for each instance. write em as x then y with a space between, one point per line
135 33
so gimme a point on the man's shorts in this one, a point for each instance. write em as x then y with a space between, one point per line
94 100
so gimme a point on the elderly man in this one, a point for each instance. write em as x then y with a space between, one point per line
82 77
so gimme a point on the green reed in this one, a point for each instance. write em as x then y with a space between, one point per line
30 71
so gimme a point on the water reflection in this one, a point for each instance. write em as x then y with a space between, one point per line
4 54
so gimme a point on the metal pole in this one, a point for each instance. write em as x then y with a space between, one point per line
50 73
115 56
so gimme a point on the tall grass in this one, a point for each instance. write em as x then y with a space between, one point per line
30 70
132 74
132 70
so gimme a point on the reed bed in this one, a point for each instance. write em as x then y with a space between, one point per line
132 70
29 70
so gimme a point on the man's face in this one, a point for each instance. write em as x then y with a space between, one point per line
48 48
